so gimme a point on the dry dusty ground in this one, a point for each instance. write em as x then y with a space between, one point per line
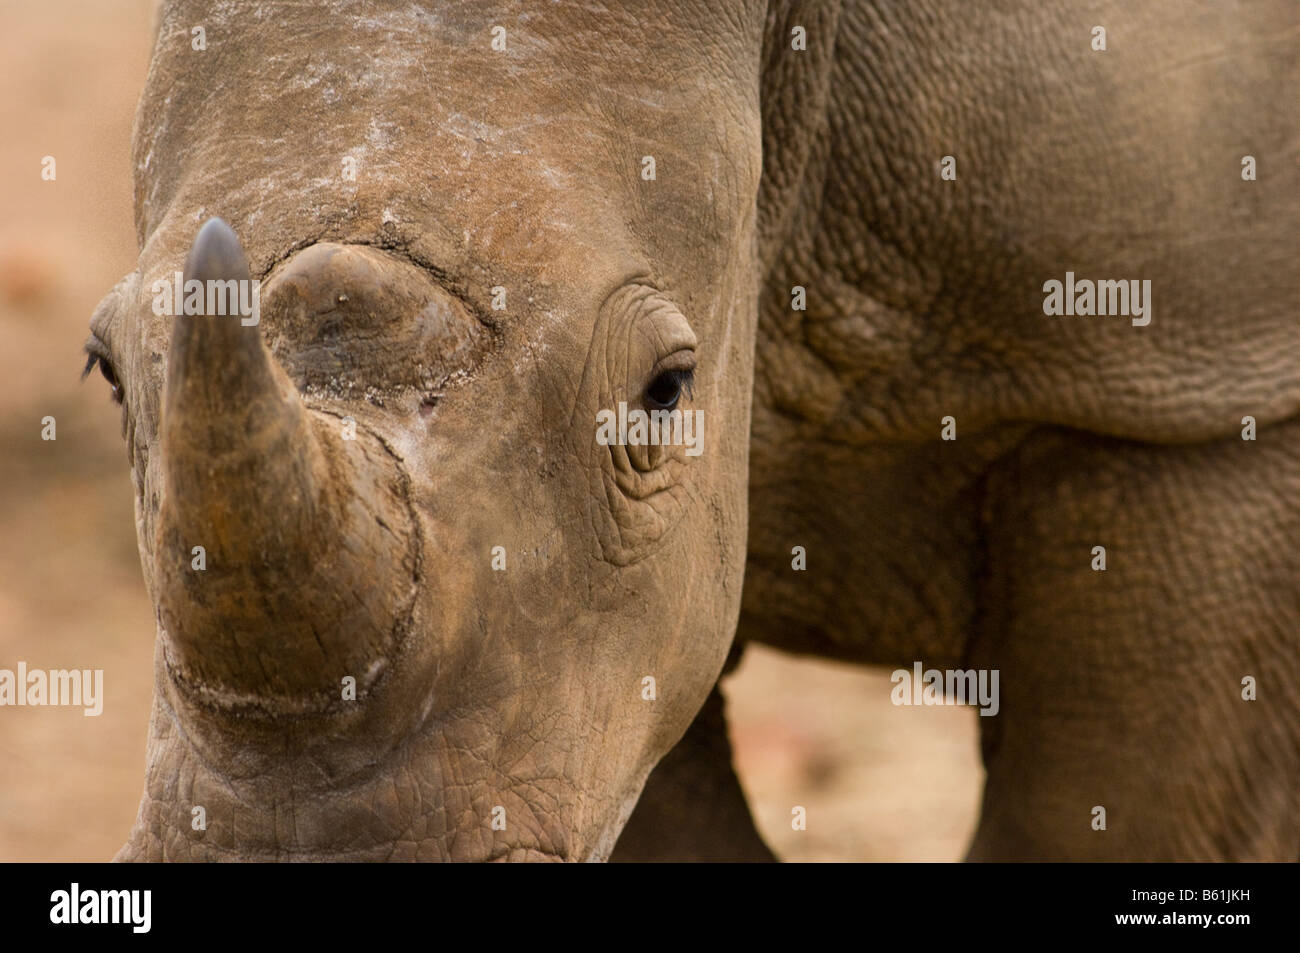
878 783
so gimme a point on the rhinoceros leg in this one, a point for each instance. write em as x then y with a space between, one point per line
1125 689
692 808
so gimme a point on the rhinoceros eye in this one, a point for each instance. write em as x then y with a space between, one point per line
666 389
95 356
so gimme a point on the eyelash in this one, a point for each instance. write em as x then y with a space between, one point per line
106 369
679 379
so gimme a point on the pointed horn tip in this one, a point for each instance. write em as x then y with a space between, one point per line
216 253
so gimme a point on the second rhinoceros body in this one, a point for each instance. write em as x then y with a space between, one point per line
436 618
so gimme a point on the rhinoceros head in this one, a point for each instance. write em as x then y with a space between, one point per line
409 605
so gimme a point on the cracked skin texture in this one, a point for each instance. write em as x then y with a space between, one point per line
522 689
1122 688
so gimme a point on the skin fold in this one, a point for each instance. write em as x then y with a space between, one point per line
352 462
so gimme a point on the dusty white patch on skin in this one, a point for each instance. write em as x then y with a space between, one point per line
458 125
555 178
405 444
409 19
377 135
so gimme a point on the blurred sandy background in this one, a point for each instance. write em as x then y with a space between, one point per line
878 782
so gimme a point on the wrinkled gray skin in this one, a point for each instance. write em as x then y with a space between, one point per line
523 689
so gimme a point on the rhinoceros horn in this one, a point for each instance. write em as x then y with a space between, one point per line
309 560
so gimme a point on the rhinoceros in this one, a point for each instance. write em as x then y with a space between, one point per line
417 601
